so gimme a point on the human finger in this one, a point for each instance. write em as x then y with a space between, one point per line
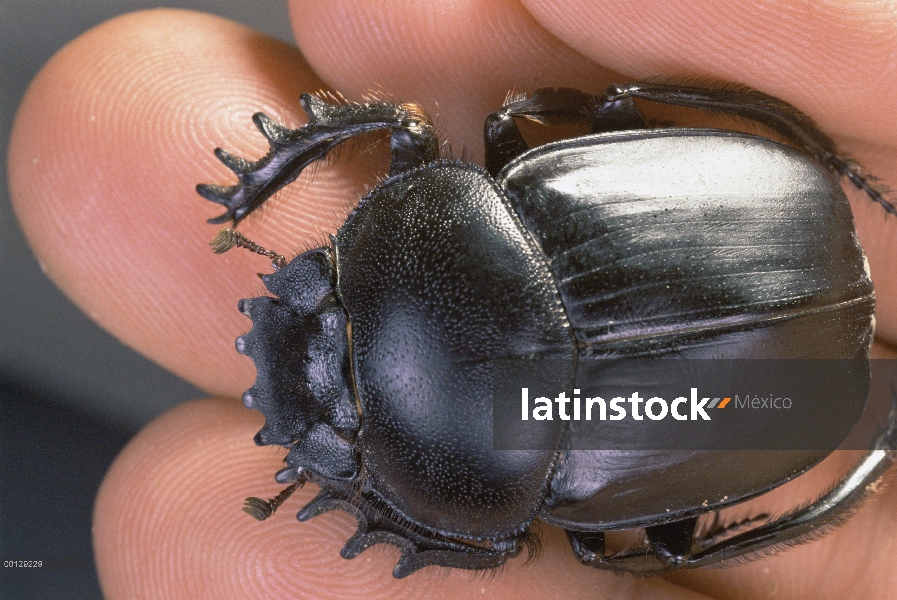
107 148
168 524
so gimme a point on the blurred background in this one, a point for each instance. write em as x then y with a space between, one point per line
71 396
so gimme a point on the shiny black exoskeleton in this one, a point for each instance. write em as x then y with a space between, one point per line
373 355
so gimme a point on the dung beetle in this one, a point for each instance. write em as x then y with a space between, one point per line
373 354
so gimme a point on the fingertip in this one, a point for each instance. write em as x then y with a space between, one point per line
813 55
457 59
168 521
108 146
168 524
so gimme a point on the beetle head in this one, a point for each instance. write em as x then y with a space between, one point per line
299 344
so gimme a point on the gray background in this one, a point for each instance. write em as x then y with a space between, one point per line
70 395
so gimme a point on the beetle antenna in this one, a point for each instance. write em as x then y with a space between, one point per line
227 238
260 509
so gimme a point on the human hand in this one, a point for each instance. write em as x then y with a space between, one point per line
118 128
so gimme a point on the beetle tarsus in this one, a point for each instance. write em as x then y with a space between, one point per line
863 182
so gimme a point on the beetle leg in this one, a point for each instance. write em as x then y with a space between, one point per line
831 509
504 141
420 548
802 525
750 104
617 113
718 530
589 550
669 549
672 542
587 546
413 143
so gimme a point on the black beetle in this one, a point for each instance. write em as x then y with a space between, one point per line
373 355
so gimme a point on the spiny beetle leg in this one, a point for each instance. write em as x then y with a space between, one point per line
413 143
801 525
830 509
756 106
420 548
